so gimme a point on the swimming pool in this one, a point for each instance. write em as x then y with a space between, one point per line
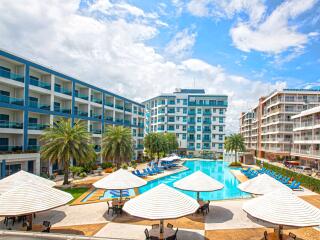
219 170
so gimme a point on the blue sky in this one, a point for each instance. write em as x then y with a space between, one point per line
140 48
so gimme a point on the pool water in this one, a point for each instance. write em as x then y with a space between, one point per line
219 170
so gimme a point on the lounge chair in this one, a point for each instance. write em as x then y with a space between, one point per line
155 226
292 236
296 186
47 226
205 209
141 174
151 172
169 225
265 234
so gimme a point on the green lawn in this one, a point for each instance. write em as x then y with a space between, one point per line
76 192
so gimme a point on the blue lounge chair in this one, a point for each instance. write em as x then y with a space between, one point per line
151 172
159 170
296 186
141 174
116 193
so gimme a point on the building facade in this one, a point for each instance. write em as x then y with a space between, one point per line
197 119
33 96
306 137
271 127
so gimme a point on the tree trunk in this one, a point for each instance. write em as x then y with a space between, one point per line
235 156
118 164
66 174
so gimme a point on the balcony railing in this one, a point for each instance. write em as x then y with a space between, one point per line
191 148
206 113
33 148
141 125
62 110
192 112
96 100
11 100
96 131
139 146
119 121
35 104
82 96
7 124
81 113
141 113
96 115
128 109
206 121
37 126
5 148
10 75
192 122
191 129
140 134
109 104
127 122
109 119
119 106
41 84
206 130
66 91
206 139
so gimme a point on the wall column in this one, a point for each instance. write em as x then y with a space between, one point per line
26 107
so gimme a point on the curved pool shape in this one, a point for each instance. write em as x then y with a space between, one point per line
219 170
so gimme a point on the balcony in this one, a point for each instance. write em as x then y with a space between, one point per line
35 104
81 113
96 131
191 148
191 122
192 112
127 122
109 104
96 100
140 134
161 112
170 128
33 148
191 139
206 147
171 111
120 121
11 100
62 110
7 124
10 148
37 126
82 96
191 129
139 147
207 113
12 76
110 119
161 120
206 122
128 109
206 139
96 115
120 107
41 84
141 125
206 130
141 113
59 89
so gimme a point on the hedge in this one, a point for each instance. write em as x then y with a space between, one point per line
306 181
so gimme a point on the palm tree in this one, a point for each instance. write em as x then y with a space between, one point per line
117 144
64 142
235 143
172 142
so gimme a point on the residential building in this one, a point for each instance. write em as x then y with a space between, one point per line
271 126
197 119
32 96
306 137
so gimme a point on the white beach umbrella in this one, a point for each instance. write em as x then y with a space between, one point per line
262 184
22 177
283 208
120 180
198 182
30 198
161 202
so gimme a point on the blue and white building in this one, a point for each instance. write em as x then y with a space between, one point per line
32 96
197 119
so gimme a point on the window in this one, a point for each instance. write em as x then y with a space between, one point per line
221 111
33 120
4 118
220 129
177 126
220 137
32 142
198 137
199 110
33 78
184 136
184 128
198 119
214 110
185 102
198 145
56 106
214 119
220 145
5 72
198 128
184 119
184 110
220 120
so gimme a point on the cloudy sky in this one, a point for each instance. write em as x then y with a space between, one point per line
140 48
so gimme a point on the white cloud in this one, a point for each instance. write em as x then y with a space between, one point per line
113 53
181 44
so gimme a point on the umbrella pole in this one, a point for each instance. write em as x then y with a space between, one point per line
120 195
161 230
198 196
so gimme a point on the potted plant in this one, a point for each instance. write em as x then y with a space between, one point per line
107 166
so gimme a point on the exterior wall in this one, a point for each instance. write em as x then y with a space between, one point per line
32 96
197 119
273 123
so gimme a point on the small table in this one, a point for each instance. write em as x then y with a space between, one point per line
167 232
118 203
274 236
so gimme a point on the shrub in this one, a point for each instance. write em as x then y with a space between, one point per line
133 164
76 170
83 174
124 166
306 181
105 165
235 164
44 175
